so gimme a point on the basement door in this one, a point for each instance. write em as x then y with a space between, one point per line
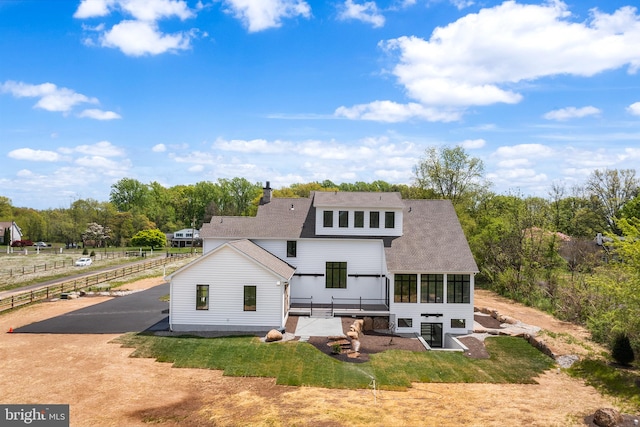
432 334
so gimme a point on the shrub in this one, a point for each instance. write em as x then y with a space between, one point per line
93 253
621 350
85 251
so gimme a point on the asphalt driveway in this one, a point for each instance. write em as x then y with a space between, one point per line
136 312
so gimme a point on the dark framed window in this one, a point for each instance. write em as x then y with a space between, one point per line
336 275
389 219
405 323
292 248
249 298
328 219
358 219
458 288
343 219
458 323
432 334
432 288
202 297
405 288
374 219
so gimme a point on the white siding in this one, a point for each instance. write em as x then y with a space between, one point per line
351 230
226 272
363 257
449 311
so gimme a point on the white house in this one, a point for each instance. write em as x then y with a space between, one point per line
11 230
355 254
184 238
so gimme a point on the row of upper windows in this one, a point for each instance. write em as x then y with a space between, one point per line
358 219
432 288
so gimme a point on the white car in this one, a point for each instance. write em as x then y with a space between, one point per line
41 244
83 261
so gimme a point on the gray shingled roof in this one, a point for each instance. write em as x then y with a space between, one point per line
275 219
363 199
264 257
432 240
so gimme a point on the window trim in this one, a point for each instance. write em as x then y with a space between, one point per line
426 282
458 288
333 268
328 219
292 248
389 219
400 281
202 301
374 219
250 298
408 322
343 219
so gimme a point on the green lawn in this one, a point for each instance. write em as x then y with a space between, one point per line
512 360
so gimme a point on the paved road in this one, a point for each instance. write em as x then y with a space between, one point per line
136 312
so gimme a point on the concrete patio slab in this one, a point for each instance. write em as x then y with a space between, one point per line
318 327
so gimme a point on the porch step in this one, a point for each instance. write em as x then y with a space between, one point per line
323 313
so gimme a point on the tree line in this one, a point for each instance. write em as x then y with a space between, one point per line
539 250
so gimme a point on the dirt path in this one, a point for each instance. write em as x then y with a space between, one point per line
562 337
105 387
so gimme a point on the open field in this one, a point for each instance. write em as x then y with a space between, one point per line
106 387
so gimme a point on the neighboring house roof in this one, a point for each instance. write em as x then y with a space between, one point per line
432 238
375 200
249 249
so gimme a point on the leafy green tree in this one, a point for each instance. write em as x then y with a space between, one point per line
450 173
129 194
613 188
153 238
6 210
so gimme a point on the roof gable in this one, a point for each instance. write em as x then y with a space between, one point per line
251 251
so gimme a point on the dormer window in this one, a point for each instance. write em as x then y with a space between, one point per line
389 219
374 219
328 219
358 219
343 219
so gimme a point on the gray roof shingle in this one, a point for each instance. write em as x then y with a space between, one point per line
375 200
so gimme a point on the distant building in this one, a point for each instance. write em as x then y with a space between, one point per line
185 238
14 232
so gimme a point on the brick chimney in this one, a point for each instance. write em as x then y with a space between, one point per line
266 194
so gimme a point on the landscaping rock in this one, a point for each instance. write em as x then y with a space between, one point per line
380 323
607 417
368 323
273 335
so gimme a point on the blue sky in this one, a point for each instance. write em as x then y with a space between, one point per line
182 91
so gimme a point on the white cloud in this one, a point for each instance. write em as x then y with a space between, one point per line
471 144
478 59
196 168
51 97
366 12
144 10
461 4
159 148
259 15
93 113
634 108
524 150
392 112
567 113
93 8
261 146
105 166
102 148
138 38
34 155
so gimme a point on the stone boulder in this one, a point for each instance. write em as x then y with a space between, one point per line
368 323
607 417
273 335
380 323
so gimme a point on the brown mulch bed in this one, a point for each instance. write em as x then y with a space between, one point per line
371 342
477 350
487 321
